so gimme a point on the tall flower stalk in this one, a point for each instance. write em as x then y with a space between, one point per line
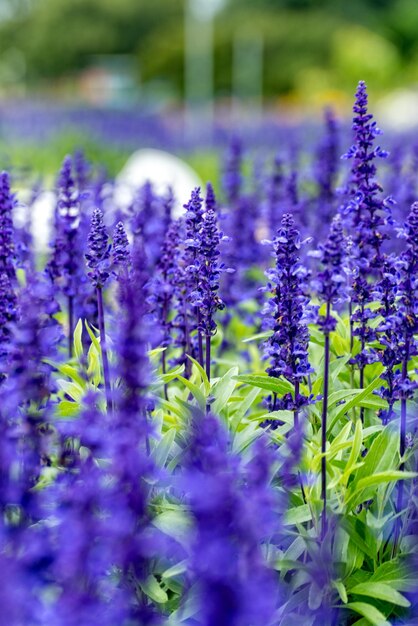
206 297
97 257
331 287
406 321
194 219
8 282
64 266
285 314
164 285
367 216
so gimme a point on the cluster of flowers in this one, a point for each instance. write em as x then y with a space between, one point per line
131 493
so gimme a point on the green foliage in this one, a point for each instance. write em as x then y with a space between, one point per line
369 582
309 44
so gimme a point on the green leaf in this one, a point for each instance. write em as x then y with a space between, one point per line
172 374
263 381
298 515
361 489
93 337
355 402
67 409
342 592
264 335
195 391
243 407
223 390
153 590
355 451
396 574
245 437
342 394
348 524
368 611
337 366
162 449
382 455
67 370
381 591
384 477
77 342
175 570
71 389
202 373
94 365
176 524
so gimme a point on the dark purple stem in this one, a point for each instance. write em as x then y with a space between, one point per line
402 447
200 338
208 355
296 412
105 361
208 360
164 370
70 325
324 430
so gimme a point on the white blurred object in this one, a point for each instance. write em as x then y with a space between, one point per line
40 215
398 110
160 168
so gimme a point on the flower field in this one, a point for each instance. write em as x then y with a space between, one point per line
211 419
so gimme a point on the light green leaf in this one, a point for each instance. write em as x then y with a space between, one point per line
175 570
368 611
78 344
94 339
243 407
381 591
195 391
153 590
176 524
223 390
162 449
298 515
67 409
264 335
263 381
382 455
396 574
202 373
172 374
342 592
355 451
71 389
364 488
354 402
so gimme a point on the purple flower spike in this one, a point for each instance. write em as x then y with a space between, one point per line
8 310
7 246
231 507
285 313
120 249
210 200
98 250
232 179
368 213
331 282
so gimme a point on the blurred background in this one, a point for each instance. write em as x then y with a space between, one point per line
147 72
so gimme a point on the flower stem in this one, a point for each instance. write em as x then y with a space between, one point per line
296 412
208 359
324 430
70 325
200 338
402 447
105 361
208 355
